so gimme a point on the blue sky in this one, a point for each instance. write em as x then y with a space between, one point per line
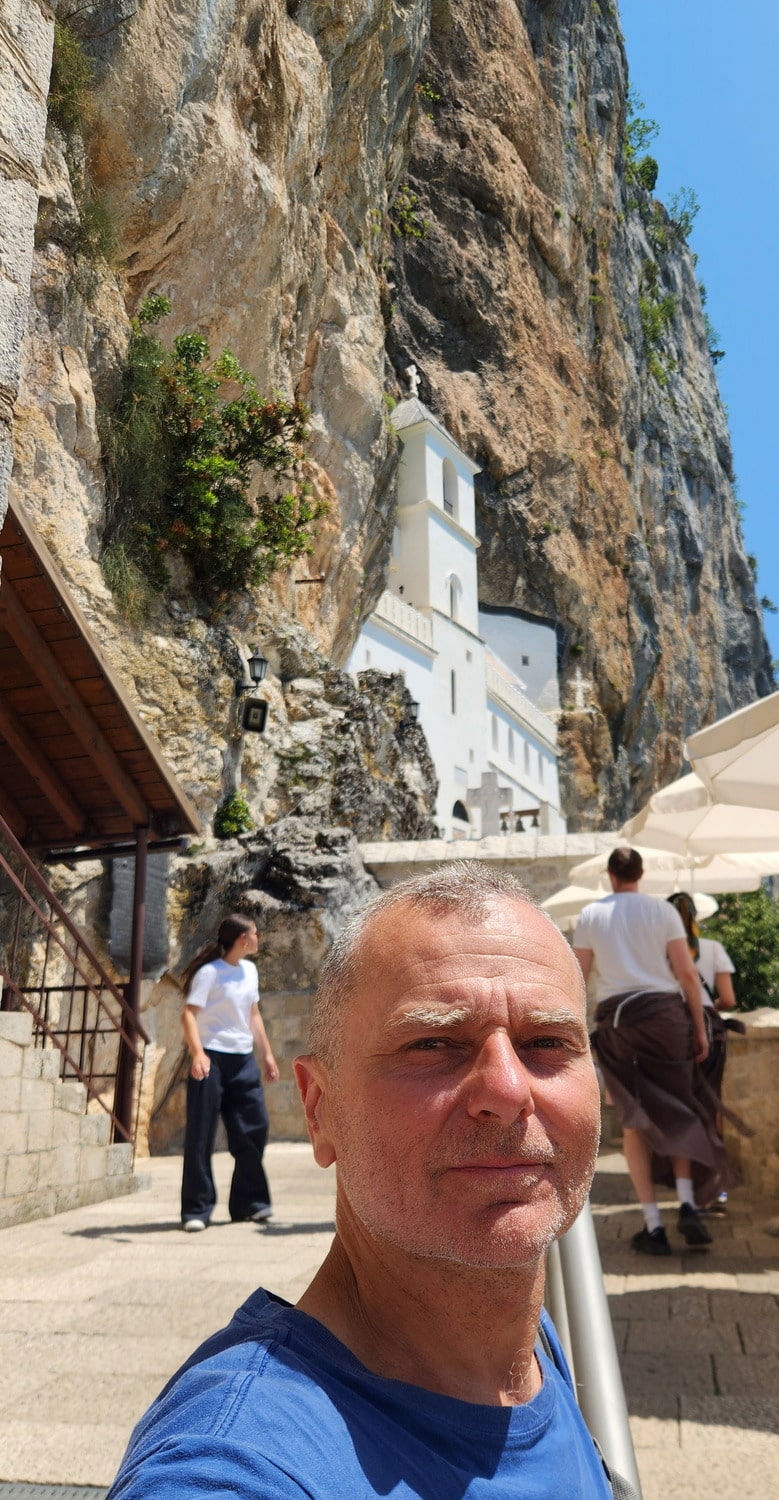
706 71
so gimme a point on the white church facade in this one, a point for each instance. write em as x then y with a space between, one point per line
485 680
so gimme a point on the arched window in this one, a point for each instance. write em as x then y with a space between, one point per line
511 743
460 811
455 594
450 488
454 691
540 766
527 758
494 731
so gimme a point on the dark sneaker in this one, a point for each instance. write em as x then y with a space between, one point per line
651 1242
692 1229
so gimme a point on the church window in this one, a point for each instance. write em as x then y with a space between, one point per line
460 811
454 691
511 744
450 487
540 766
494 731
527 758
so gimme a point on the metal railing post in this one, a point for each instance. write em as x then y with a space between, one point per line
554 1301
125 1077
599 1387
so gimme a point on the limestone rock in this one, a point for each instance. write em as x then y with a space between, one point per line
606 497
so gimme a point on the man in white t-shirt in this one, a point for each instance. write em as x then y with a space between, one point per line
650 1035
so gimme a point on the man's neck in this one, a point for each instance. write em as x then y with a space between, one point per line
457 1330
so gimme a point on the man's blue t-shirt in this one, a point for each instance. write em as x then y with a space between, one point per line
275 1408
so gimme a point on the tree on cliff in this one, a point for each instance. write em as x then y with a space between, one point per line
216 477
748 927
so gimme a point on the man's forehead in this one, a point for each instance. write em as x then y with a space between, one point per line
421 936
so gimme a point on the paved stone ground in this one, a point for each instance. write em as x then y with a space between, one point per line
698 1339
101 1304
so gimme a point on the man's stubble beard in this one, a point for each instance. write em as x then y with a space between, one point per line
500 1247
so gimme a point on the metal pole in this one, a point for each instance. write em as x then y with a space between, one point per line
554 1299
125 1074
599 1386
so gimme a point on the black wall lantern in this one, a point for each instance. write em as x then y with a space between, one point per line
258 666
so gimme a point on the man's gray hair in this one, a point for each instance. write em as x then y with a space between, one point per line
466 887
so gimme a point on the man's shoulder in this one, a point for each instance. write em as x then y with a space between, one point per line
274 1405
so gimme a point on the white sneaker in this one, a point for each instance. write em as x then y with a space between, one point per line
262 1214
192 1226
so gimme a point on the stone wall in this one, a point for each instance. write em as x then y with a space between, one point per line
751 1088
26 36
54 1155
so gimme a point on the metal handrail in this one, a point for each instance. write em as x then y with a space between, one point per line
576 1295
56 906
69 1065
116 1021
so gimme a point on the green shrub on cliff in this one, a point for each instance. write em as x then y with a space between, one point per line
183 459
233 817
70 86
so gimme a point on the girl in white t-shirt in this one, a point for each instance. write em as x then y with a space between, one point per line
715 968
222 1024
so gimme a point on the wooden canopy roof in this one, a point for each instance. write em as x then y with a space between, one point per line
77 765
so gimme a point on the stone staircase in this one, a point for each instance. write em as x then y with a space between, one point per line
54 1155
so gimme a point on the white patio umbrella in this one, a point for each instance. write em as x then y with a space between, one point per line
683 817
566 905
666 871
737 758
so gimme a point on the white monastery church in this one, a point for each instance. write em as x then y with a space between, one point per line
485 679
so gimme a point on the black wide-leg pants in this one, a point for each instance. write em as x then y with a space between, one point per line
233 1089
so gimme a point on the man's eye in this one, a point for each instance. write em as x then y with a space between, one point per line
544 1043
429 1044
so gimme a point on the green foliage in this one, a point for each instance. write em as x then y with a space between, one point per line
639 133
768 605
656 312
96 238
426 91
183 461
70 108
70 97
712 341
748 927
405 221
645 172
656 316
233 817
129 585
683 209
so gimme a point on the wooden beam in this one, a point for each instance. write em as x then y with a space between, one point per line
53 788
12 816
52 677
173 800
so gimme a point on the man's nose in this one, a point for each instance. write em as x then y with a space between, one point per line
498 1083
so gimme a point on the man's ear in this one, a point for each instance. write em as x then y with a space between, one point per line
313 1084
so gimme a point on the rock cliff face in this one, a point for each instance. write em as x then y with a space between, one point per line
253 158
606 494
335 191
